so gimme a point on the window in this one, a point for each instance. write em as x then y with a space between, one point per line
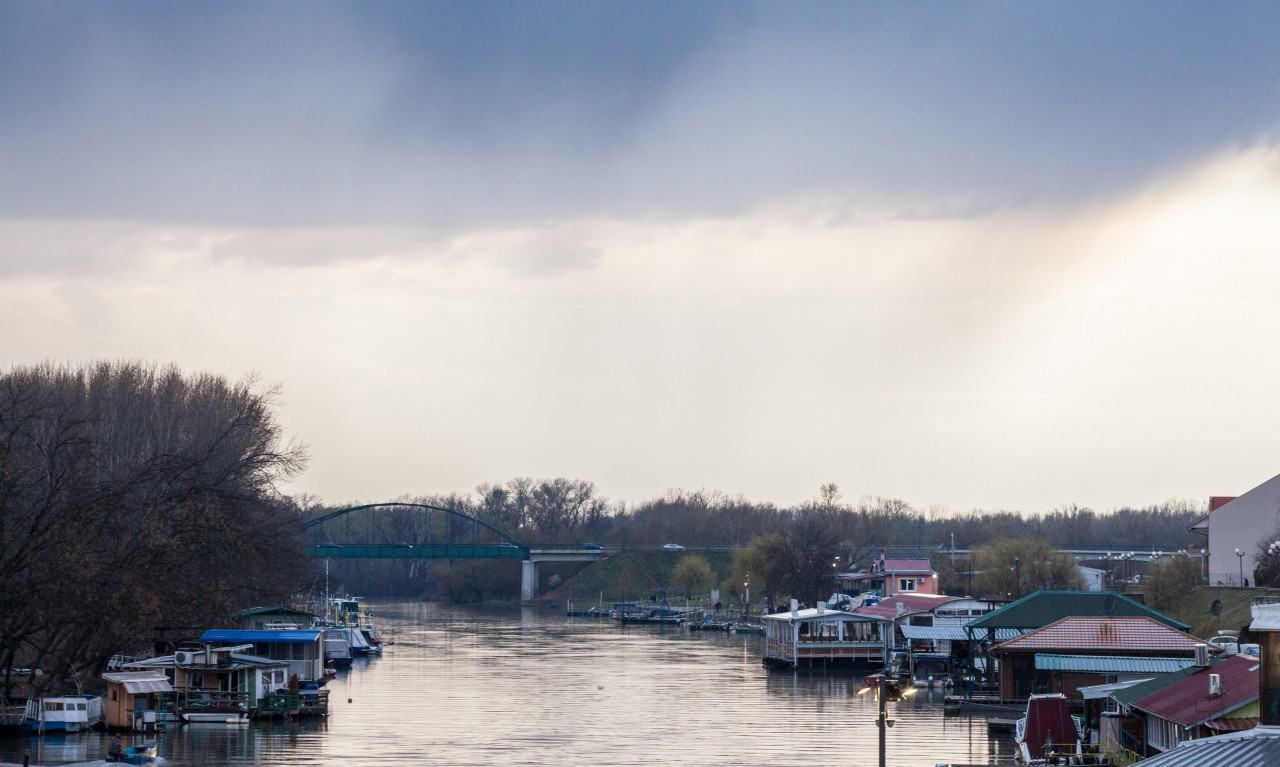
906 584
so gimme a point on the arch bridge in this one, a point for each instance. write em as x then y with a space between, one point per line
402 530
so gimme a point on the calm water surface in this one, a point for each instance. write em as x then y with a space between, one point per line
522 686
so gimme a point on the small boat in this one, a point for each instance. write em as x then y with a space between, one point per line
1048 733
142 753
214 716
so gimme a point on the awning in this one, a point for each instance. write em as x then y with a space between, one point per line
1095 691
954 633
1232 724
140 681
1110 664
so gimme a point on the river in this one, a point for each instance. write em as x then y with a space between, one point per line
463 686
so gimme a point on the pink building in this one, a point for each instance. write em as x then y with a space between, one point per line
888 577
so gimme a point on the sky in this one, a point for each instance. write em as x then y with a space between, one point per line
973 255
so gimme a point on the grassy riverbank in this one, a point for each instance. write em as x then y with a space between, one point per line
1196 609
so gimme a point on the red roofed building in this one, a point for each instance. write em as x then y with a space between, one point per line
892 576
1079 651
1200 705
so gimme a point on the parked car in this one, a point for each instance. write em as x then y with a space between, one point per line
673 547
590 547
1226 642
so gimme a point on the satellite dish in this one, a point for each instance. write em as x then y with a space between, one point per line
1216 607
1109 604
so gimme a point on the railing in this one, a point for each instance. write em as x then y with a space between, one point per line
214 701
1120 756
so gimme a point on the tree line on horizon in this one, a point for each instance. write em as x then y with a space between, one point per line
808 535
139 501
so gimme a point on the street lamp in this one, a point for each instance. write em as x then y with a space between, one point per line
1017 578
883 690
1240 557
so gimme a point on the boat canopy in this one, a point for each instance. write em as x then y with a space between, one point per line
140 681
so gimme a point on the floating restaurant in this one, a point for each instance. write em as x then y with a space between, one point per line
821 637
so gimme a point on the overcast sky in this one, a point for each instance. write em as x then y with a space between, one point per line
973 255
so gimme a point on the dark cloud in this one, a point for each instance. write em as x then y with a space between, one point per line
477 113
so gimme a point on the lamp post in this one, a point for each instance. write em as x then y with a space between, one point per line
883 721
1240 557
1017 578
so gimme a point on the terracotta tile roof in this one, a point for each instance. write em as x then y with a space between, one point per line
1104 635
1188 703
904 566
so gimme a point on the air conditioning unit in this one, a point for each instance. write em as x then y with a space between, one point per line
184 657
1215 684
1202 654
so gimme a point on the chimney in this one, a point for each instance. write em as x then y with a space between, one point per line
795 607
1202 655
901 608
822 607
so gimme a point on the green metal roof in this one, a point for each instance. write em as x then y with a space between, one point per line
1044 607
1110 664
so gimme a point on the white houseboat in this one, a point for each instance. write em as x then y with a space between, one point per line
62 714
823 637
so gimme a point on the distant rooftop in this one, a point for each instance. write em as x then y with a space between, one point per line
1045 607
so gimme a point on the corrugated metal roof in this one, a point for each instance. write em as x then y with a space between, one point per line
274 611
1096 691
954 633
1110 664
140 681
911 603
1259 747
1188 702
230 635
1232 724
1045 607
812 614
1129 695
1137 634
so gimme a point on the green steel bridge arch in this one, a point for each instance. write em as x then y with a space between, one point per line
506 547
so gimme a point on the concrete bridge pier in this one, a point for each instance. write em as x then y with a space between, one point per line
528 580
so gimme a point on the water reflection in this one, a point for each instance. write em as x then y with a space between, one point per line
499 686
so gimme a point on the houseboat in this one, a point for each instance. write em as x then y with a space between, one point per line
137 700
821 637
62 714
302 650
1048 733
225 685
